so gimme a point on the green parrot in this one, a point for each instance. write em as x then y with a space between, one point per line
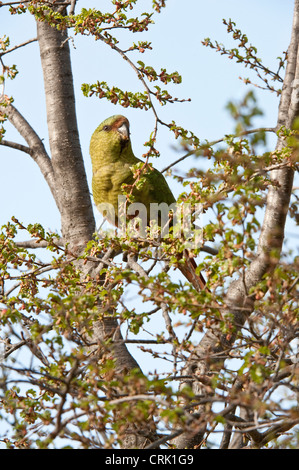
112 158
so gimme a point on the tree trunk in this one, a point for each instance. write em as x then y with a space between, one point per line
77 220
240 304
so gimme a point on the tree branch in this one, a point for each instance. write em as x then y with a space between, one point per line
17 46
75 206
78 224
214 142
239 303
33 244
36 148
16 146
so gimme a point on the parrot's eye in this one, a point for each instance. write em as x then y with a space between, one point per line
106 128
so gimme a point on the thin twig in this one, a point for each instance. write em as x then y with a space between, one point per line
17 46
72 8
139 270
8 4
214 142
33 244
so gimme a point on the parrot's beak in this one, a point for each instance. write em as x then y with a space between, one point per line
124 131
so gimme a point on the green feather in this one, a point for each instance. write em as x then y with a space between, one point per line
112 159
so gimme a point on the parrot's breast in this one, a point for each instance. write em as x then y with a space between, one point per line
107 184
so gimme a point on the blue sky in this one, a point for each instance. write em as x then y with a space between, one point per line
209 79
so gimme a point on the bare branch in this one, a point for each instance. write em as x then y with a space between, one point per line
140 77
18 46
37 149
275 431
237 299
14 347
132 264
72 7
33 244
16 146
8 4
214 142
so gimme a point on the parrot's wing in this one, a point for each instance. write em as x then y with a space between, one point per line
159 190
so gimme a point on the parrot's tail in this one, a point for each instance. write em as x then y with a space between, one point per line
188 269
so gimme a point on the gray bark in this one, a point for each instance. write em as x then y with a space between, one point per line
77 220
35 147
66 177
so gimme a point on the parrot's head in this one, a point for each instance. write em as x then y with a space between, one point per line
111 138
